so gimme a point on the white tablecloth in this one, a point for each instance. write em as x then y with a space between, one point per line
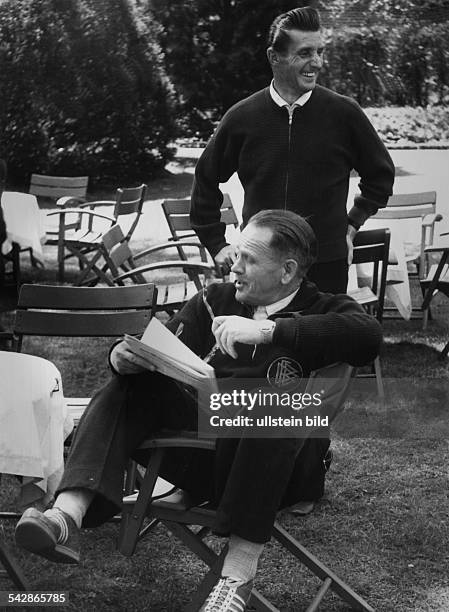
24 222
33 422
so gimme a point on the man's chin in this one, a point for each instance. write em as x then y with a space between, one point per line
241 294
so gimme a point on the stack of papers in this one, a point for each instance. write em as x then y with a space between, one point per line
165 352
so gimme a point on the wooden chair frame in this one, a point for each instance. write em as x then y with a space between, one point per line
76 231
178 515
415 205
45 310
373 246
177 214
437 280
121 265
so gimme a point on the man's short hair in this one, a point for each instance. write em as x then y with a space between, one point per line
306 19
292 236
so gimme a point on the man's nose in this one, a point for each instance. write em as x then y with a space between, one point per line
237 266
317 60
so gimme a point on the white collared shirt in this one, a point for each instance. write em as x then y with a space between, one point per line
271 309
281 102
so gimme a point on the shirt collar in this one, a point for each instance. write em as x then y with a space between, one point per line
281 102
280 304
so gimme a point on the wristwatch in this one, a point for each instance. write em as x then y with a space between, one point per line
267 330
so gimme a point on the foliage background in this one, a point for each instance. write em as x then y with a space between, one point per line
83 89
381 52
104 87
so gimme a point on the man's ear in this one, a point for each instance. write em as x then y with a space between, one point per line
272 56
289 271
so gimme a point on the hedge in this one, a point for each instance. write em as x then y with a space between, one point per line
82 90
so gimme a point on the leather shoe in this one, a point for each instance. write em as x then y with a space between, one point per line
54 539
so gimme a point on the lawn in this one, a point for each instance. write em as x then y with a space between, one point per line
383 524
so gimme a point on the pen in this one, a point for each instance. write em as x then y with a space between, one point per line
207 305
212 316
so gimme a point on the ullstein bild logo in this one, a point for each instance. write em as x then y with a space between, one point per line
284 372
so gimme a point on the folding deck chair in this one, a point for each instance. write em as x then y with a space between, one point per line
178 515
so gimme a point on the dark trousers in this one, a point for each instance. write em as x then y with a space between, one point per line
330 276
247 479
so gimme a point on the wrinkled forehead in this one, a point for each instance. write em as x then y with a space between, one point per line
256 242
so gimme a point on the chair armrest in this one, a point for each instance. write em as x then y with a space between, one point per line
98 203
192 266
435 248
169 245
81 211
430 220
178 439
69 200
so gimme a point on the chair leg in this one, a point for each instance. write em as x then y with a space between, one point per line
12 569
324 573
133 516
379 381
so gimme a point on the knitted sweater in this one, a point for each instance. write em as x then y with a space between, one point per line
303 165
316 329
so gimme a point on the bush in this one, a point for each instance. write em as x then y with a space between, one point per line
83 90
357 64
411 126
423 63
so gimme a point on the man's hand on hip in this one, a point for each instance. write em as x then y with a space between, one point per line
124 361
231 329
225 258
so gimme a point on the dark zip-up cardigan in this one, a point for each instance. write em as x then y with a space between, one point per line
302 166
316 329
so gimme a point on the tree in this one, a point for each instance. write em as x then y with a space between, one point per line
215 52
83 89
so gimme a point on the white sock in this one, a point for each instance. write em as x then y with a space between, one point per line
242 558
75 503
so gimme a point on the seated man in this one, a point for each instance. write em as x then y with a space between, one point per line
269 307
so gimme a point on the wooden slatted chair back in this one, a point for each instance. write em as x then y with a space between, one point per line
373 246
55 187
118 255
130 201
177 214
45 310
409 206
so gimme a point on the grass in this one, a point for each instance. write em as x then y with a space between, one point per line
383 524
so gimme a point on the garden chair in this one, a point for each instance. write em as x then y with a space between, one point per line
177 214
82 237
436 280
373 246
172 291
414 206
64 191
11 568
181 518
52 311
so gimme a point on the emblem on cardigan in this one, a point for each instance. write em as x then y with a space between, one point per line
284 372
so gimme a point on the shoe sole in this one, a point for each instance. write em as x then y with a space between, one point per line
33 535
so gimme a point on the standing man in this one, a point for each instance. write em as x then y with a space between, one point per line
294 144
